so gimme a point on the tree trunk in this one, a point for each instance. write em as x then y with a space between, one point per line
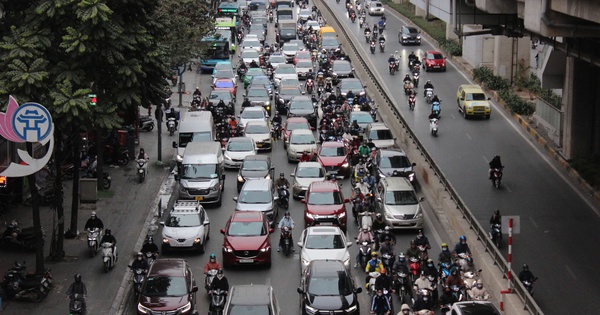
72 233
37 225
57 245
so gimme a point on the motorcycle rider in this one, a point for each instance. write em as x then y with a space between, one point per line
445 255
387 247
422 240
412 251
149 246
139 263
479 293
364 149
447 298
374 265
380 304
526 275
345 108
363 236
197 92
282 181
289 222
381 39
77 287
306 157
384 282
367 30
219 282
495 163
109 238
454 279
350 95
171 113
405 310
363 186
430 269
462 247
378 224
212 264
94 222
412 56
400 266
427 85
143 156
253 64
422 284
397 56
371 180
423 302
391 59
276 119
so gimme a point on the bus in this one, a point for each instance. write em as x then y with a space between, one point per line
228 9
219 49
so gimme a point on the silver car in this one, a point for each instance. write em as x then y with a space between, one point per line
324 242
398 203
258 195
304 174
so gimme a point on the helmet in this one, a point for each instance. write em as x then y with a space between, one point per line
373 149
78 277
444 245
525 267
387 228
463 238
197 88
107 232
396 52
401 257
93 214
497 212
150 239
479 282
405 307
425 293
287 213
374 254
387 238
430 260
365 228
454 272
220 272
428 81
139 254
281 175
378 216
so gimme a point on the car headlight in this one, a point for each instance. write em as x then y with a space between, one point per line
310 215
351 309
389 215
268 176
240 178
165 240
411 177
197 240
214 188
342 214
347 262
268 103
228 249
404 37
143 309
179 158
311 310
265 249
305 262
418 36
185 308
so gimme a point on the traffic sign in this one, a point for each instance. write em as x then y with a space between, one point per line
180 68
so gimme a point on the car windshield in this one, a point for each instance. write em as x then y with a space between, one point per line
333 151
304 64
250 54
221 65
327 241
332 286
250 165
224 95
240 146
257 128
476 97
400 198
325 198
435 56
165 286
276 59
314 24
200 171
183 220
258 93
260 80
252 114
398 161
302 139
296 125
303 55
353 85
187 137
383 134
409 30
249 310
224 74
246 229
290 47
223 84
301 105
361 119
251 43
254 196
285 70
341 66
310 172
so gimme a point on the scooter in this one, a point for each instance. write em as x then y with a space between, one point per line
284 197
433 126
428 95
381 46
150 257
388 260
373 275
26 287
91 173
496 177
415 266
217 302
171 125
496 235
436 109
367 37
286 235
276 131
93 236
392 67
366 217
416 75
76 305
108 259
412 100
17 238
271 17
353 17
408 87
210 275
141 170
365 250
402 287
139 275
529 285
145 123
373 46
361 20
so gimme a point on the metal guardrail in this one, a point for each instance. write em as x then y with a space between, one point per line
482 235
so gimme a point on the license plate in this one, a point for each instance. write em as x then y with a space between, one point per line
325 223
259 145
246 261
199 198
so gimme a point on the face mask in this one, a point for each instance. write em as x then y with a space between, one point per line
220 276
405 311
430 265
425 298
379 293
139 258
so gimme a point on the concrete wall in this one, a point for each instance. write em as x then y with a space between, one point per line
583 9
478 50
438 8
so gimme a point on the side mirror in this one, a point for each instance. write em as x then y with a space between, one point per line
488 99
272 168
303 200
358 290
292 175
414 164
348 244
365 86
235 198
346 200
194 289
462 98
222 231
174 145
421 199
299 244
223 177
162 223
379 199
302 291
276 198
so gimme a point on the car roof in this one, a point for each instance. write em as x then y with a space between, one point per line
301 98
302 131
433 52
168 267
326 267
378 126
388 152
477 308
240 139
471 88
310 164
324 230
253 109
251 294
396 183
332 144
297 119
325 186
247 216
359 114
261 184
256 157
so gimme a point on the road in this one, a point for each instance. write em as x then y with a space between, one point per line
558 223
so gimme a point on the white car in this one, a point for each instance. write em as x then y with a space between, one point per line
284 71
323 242
250 43
249 55
315 25
304 14
381 135
187 227
249 114
301 140
277 60
237 149
289 51
302 67
304 174
261 133
376 8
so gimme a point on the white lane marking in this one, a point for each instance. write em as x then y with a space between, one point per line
571 272
486 160
533 222
468 136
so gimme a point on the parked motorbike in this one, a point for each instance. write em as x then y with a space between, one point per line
141 170
433 126
496 177
171 125
496 234
108 259
217 302
106 179
77 305
18 285
145 123
16 238
94 235
286 235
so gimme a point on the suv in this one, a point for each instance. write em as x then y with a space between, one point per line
472 101
388 161
186 227
380 134
252 299
343 69
398 203
246 239
474 307
376 8
302 106
325 205
327 287
409 35
258 195
434 60
169 288
254 167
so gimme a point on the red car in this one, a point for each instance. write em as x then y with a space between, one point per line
333 156
291 124
325 205
246 239
225 84
434 60
302 55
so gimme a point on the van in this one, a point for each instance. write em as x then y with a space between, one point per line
287 30
202 173
194 127
326 31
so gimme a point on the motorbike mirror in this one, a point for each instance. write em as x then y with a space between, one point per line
222 231
292 175
272 168
174 145
348 244
421 199
162 223
358 290
365 86
379 199
462 98
194 289
276 198
300 290
299 244
235 198
271 230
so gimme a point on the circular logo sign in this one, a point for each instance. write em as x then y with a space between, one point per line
32 122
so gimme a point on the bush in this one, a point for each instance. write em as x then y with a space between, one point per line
453 47
482 74
588 168
497 83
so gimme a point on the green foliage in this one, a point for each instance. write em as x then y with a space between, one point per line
453 47
482 74
497 83
588 168
534 85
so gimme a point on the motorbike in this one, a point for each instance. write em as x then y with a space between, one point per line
528 284
361 20
365 250
150 257
373 46
171 125
145 123
108 259
373 275
270 17
309 86
366 216
196 100
412 100
91 173
388 260
17 238
414 263
445 271
436 109
496 177
217 302
353 17
210 275
373 112
367 37
402 285
392 67
93 236
286 235
141 170
416 75
381 46
139 275
433 126
276 131
458 292
496 234
408 87
284 197
422 253
18 285
428 95
76 305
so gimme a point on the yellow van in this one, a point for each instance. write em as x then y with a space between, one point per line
325 30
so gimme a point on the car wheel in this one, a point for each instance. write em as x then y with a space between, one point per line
465 113
208 233
487 116
426 69
220 200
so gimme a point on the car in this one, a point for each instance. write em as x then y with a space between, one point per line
303 67
333 155
257 27
236 150
169 288
398 203
301 140
259 96
409 35
261 80
289 51
302 106
246 239
224 74
253 114
187 227
376 8
380 134
304 14
434 60
343 69
251 73
329 43
327 287
261 133
302 55
314 24
258 195
251 43
283 72
293 123
323 242
298 42
254 167
388 161
222 65
249 55
252 299
225 84
325 205
259 32
293 82
216 96
474 307
362 118
304 174
472 101
276 60
261 20
284 96
351 84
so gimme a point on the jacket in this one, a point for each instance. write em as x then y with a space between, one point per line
380 304
222 284
94 223
374 265
76 288
212 265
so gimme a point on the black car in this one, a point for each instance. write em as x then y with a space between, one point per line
254 167
302 106
284 96
327 287
342 68
409 35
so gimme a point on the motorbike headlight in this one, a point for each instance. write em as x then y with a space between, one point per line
268 103
362 93
345 165
179 158
240 178
143 309
185 308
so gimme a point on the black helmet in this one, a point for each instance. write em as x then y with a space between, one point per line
150 239
281 175
525 267
107 232
497 212
220 272
287 213
139 254
78 277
